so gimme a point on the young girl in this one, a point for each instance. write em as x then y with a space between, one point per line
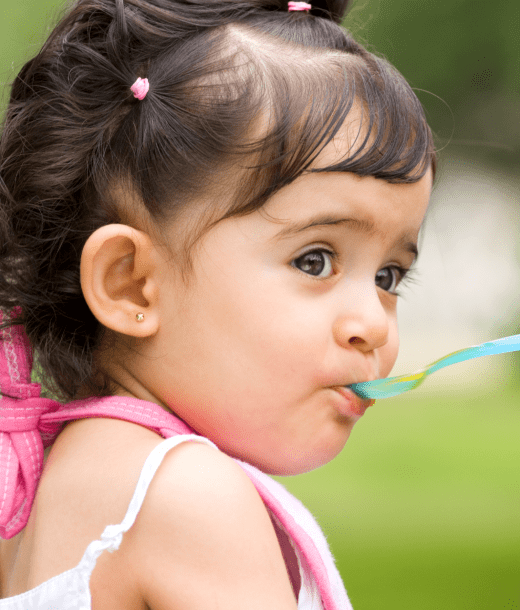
206 210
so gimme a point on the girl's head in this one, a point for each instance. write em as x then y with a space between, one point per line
257 121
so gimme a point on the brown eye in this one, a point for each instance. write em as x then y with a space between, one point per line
316 263
388 279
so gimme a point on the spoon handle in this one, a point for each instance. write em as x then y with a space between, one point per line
490 348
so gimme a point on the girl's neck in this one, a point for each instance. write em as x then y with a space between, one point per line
117 361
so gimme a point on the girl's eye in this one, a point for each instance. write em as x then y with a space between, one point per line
317 263
389 277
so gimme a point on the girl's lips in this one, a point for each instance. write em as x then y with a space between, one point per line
353 405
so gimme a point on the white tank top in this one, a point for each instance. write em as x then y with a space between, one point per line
71 590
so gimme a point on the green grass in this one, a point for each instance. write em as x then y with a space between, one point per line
422 508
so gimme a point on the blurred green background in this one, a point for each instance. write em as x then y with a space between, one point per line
422 507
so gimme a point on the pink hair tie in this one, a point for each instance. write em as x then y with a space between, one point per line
298 6
140 88
23 434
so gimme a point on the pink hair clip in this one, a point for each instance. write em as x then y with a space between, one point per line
140 88
298 6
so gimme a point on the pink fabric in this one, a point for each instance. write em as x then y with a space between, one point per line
140 88
303 529
23 433
298 6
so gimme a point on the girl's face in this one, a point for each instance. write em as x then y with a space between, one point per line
283 308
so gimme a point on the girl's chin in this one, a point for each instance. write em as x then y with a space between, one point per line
296 462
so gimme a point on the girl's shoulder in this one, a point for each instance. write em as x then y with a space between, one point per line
95 465
202 531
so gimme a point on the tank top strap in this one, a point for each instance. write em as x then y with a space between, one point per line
113 534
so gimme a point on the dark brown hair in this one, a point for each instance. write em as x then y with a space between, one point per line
73 131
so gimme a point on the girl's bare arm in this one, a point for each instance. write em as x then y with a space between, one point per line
204 539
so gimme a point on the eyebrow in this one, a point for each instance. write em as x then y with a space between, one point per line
363 225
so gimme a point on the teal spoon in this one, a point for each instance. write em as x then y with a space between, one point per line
393 386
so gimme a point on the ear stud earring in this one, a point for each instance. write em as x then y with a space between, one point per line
139 317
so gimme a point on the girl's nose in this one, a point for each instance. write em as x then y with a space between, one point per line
363 323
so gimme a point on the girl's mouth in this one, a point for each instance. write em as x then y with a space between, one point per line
352 405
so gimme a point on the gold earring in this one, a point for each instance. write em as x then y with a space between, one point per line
139 317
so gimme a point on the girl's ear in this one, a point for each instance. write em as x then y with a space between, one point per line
119 280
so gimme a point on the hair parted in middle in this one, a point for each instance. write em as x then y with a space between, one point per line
243 86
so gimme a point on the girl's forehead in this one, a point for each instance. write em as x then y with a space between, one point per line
342 201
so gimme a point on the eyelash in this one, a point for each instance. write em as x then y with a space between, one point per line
404 274
408 276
